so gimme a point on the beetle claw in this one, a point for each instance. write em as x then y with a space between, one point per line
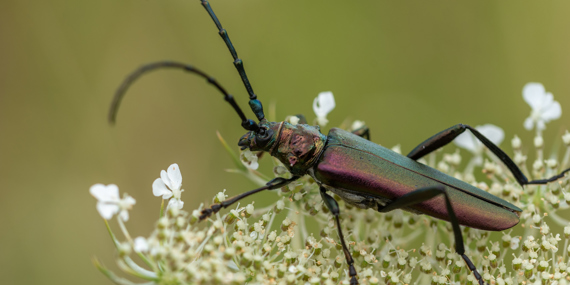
209 211
205 214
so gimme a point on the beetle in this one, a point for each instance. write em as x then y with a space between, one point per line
362 173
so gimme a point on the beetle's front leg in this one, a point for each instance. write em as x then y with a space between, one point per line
335 211
424 194
272 184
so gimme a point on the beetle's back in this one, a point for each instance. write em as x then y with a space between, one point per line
351 163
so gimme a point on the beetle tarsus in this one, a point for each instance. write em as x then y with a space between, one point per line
473 269
352 274
209 211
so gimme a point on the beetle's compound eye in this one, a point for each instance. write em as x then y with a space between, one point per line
263 137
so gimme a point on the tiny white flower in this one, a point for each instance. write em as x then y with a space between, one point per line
141 245
294 120
469 142
168 186
322 105
249 159
357 125
514 243
544 108
109 203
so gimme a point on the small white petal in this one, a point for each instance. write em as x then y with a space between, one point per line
128 202
552 111
492 132
322 121
323 104
540 125
165 179
357 125
528 123
467 141
107 210
254 165
159 189
141 245
294 120
514 243
105 193
175 176
175 203
534 94
124 215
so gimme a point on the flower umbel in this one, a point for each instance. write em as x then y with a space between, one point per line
168 186
544 108
109 203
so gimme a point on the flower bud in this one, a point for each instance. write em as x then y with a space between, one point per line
516 143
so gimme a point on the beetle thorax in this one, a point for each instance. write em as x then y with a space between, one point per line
298 146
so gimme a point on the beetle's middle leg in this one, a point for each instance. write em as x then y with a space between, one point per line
335 211
424 194
446 136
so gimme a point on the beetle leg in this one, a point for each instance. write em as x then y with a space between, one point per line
363 132
424 194
332 205
272 184
302 119
444 137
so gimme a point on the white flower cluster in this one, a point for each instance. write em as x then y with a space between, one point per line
295 240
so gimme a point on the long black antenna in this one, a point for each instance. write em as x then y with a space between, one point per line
246 123
255 104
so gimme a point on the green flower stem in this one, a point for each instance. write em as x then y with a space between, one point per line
230 151
142 273
124 230
147 261
115 278
115 241
122 263
557 219
565 160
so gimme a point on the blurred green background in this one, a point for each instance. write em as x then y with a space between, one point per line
408 69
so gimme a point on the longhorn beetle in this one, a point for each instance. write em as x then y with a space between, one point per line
360 172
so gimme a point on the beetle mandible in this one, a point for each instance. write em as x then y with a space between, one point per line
362 173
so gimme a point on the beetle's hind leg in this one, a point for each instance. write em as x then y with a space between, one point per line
424 194
446 136
335 211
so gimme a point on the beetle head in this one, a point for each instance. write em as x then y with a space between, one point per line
296 146
262 139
